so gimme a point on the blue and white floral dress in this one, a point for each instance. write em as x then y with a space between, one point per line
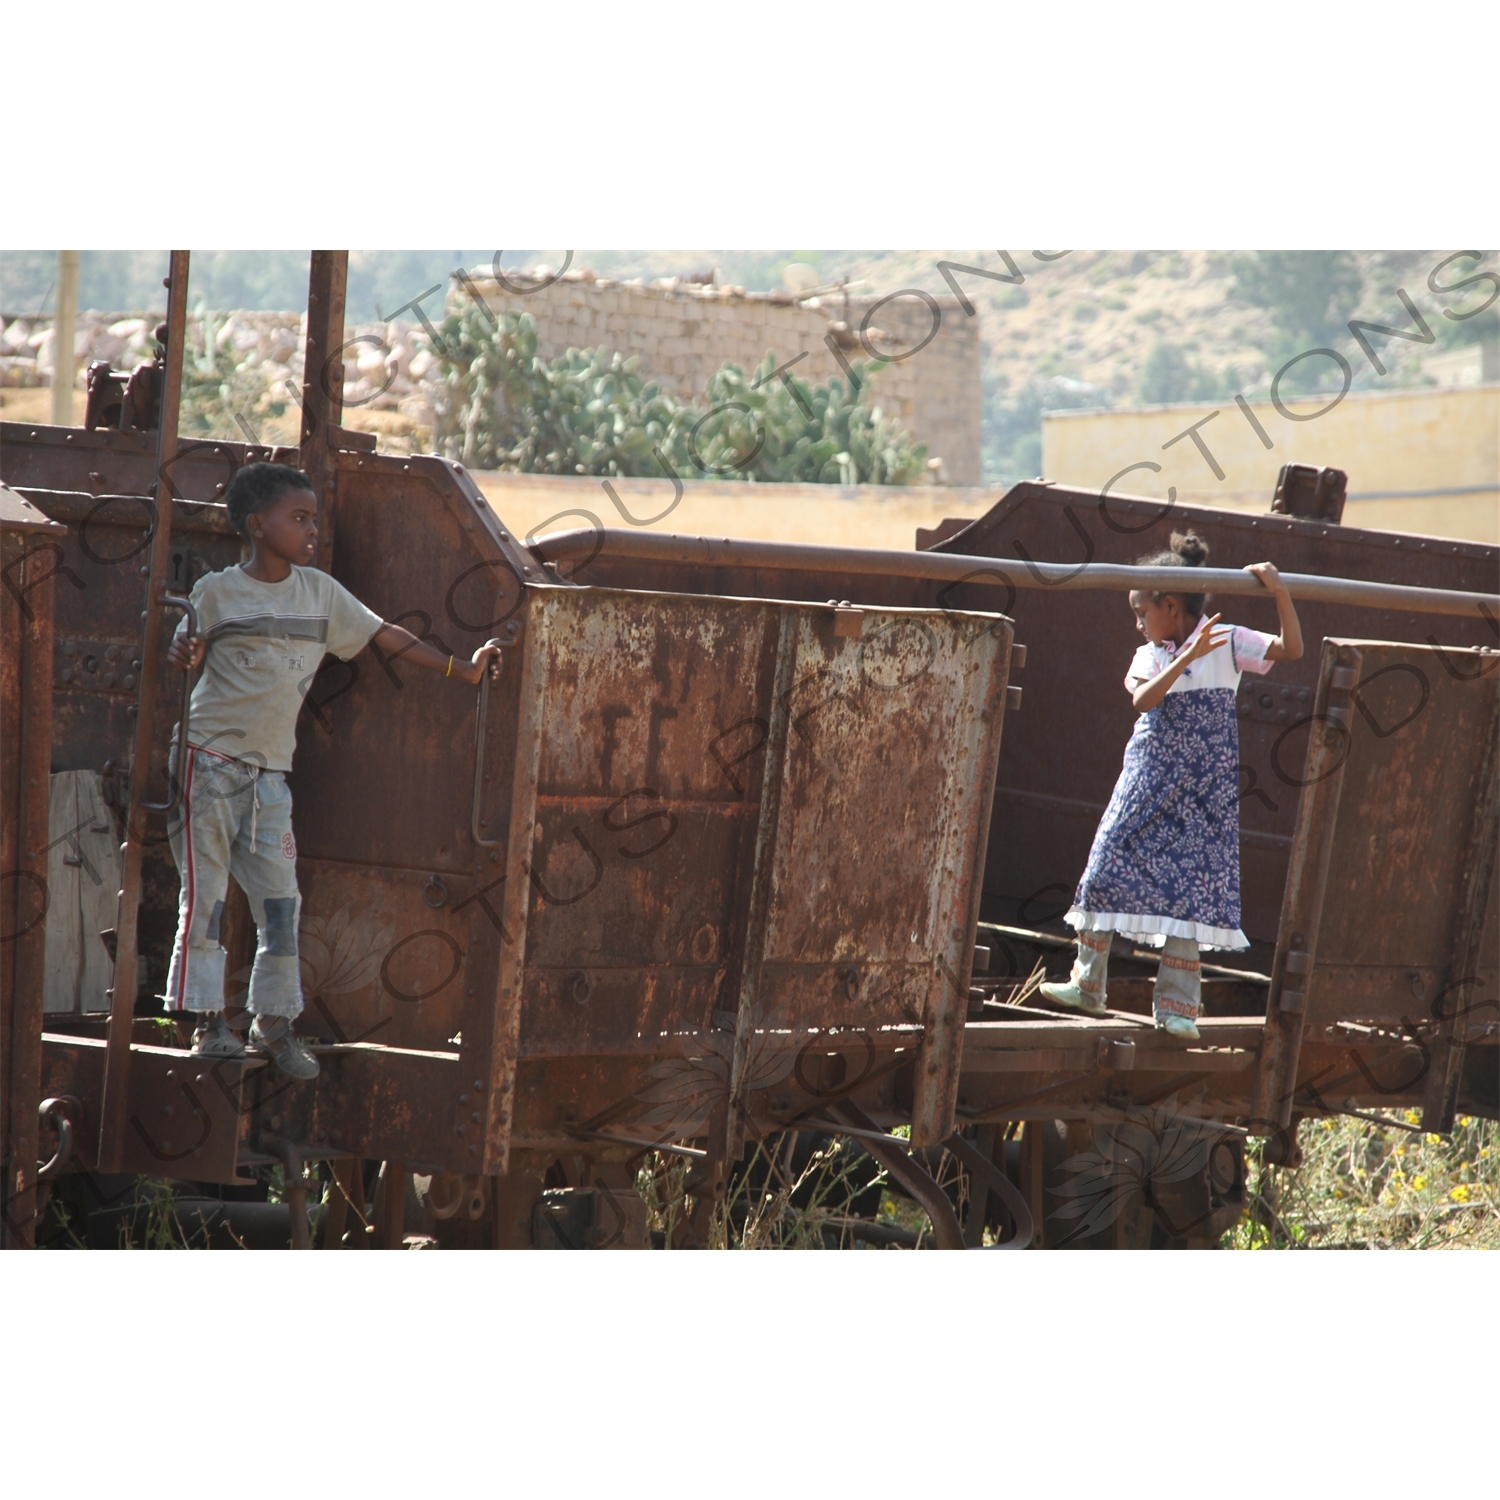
1166 859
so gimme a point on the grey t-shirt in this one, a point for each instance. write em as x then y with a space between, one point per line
265 641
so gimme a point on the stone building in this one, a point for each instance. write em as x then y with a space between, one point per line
683 331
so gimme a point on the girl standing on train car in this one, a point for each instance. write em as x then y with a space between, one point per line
1165 866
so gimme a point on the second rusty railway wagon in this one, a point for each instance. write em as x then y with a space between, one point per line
714 860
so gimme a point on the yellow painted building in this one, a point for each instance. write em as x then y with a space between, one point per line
865 515
1424 461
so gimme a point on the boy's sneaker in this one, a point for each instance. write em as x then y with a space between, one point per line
275 1039
1178 1026
1074 998
215 1038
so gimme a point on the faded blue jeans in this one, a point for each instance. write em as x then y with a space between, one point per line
236 820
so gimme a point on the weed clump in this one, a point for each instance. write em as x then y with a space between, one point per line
1377 1183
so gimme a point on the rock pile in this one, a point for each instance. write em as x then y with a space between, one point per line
387 366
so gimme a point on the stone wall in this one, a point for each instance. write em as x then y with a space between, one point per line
683 332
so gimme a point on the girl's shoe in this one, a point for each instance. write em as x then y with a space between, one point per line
1075 999
1178 1026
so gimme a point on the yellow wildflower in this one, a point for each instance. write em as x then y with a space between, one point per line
1338 1192
1412 1117
1433 1140
1460 1194
1484 1151
1419 1182
1400 1151
1466 1120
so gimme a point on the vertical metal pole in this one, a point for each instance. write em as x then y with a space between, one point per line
31 945
12 894
25 764
390 1206
1475 909
122 995
323 388
979 1192
1033 1172
64 332
1302 904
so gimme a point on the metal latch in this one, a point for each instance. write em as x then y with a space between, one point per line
847 620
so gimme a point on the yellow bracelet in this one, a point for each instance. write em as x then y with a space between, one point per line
449 672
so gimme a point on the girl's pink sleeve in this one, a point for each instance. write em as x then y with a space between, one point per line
1249 648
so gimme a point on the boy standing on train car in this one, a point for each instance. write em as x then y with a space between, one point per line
264 627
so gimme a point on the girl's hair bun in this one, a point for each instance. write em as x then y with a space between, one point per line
1187 550
1190 547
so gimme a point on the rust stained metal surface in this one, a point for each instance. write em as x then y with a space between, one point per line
183 1114
403 913
691 870
1054 1070
1389 919
626 748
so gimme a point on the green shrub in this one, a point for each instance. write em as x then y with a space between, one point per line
590 411
217 387
1168 375
797 433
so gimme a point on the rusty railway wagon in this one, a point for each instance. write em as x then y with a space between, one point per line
733 850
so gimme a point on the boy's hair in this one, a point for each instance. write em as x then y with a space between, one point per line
1186 550
256 488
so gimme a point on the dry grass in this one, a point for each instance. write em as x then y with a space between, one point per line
1371 1186
33 404
770 1206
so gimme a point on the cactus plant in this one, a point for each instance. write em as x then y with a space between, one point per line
591 411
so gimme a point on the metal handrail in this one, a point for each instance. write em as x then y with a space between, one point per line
479 725
177 601
1011 573
60 1111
